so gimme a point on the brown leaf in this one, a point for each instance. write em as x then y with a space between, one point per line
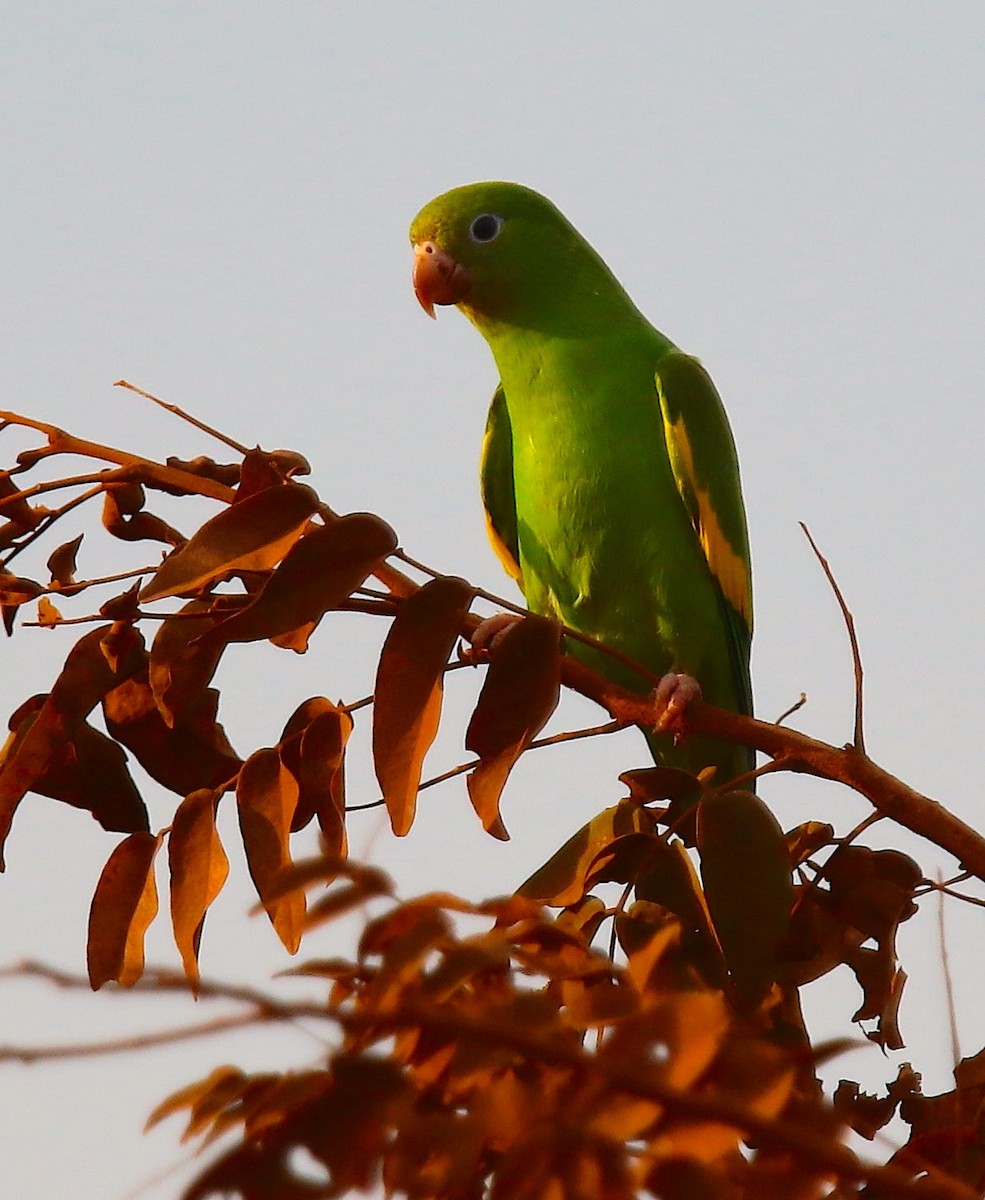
691 1026
322 779
250 536
561 881
745 868
48 614
267 795
124 904
520 693
870 894
318 573
805 840
120 644
867 1114
585 915
207 468
409 687
189 754
647 784
89 771
85 678
312 747
19 510
199 868
180 667
124 519
124 607
61 564
221 1086
597 999
14 590
265 468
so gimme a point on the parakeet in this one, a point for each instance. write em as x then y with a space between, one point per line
609 473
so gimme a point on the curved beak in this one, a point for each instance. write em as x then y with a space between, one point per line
438 278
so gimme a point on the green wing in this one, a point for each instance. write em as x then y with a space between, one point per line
703 459
498 494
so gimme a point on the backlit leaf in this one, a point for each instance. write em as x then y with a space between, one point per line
267 794
409 686
181 668
85 678
61 564
199 868
319 571
322 779
48 614
124 904
671 881
191 753
561 881
520 693
250 536
124 518
745 868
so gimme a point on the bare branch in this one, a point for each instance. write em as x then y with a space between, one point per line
185 416
795 751
788 712
859 738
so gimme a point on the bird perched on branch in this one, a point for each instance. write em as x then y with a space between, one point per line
609 473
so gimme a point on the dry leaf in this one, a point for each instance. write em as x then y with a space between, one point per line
409 686
199 868
124 904
519 695
267 794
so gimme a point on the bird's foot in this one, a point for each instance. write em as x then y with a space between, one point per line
487 636
671 697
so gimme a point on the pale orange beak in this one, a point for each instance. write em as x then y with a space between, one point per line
438 278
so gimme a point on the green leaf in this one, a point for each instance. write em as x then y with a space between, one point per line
745 868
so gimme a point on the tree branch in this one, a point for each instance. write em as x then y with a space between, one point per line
795 751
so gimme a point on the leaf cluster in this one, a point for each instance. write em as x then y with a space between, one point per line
523 1059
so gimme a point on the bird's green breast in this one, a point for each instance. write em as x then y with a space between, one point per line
605 541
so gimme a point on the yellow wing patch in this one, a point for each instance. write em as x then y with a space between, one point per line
728 567
498 495
502 552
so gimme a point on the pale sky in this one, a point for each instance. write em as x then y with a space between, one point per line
212 199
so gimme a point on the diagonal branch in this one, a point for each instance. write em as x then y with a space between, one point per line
795 751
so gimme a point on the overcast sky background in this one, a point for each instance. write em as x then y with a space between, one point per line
211 200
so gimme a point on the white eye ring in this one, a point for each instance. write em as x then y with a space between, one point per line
485 228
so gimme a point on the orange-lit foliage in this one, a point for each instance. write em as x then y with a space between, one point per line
641 1039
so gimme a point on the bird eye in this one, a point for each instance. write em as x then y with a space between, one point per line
485 228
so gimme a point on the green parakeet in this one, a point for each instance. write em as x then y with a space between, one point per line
609 473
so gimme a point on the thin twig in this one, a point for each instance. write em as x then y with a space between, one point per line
82 584
47 521
137 1041
54 485
859 738
405 558
796 707
952 1017
180 412
860 828
463 768
946 891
